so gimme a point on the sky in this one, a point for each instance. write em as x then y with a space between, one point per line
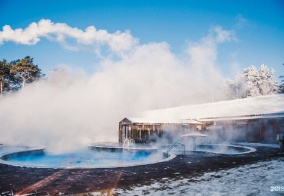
107 60
256 27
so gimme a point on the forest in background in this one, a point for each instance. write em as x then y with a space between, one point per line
16 74
252 82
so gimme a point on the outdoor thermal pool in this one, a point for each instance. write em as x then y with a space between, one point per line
106 156
54 181
95 157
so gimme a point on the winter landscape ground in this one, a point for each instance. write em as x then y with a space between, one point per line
196 173
71 70
262 178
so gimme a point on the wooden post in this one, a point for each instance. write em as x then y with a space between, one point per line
259 124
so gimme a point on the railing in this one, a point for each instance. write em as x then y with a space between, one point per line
128 143
176 144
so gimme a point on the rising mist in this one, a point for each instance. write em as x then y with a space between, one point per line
71 109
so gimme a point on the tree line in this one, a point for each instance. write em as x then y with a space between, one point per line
282 83
253 82
16 74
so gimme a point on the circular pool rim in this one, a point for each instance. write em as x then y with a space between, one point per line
249 149
7 162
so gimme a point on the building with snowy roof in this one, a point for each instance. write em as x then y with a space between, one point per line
144 130
254 119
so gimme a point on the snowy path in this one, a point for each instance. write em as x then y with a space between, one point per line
256 179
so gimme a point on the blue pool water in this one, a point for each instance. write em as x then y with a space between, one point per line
86 159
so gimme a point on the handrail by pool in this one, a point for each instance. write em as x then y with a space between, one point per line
128 143
175 144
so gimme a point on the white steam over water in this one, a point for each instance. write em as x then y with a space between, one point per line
70 109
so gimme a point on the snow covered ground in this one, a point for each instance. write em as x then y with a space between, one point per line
262 178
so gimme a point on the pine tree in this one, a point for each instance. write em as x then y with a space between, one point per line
281 87
253 82
25 71
4 75
235 89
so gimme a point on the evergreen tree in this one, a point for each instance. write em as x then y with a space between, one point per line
235 89
25 71
281 90
4 76
253 82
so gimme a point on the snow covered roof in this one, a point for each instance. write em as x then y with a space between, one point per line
253 107
159 120
194 135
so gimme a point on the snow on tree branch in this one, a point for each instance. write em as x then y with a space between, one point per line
251 83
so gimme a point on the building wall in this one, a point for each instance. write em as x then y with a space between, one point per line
151 132
255 130
262 130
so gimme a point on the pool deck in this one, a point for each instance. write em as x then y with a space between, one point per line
39 181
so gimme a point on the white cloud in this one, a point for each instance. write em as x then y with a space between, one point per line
203 55
241 21
207 47
117 42
235 68
69 110
221 35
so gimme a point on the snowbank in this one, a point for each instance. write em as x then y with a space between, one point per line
262 178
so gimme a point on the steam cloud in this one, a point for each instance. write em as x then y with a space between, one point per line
70 110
